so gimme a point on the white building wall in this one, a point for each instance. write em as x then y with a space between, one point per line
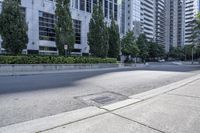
32 18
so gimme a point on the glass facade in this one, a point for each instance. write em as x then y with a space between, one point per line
110 7
46 26
23 12
77 31
82 5
0 6
106 8
89 6
115 10
123 17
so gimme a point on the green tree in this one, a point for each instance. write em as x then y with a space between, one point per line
129 46
64 27
142 44
188 52
98 33
13 27
114 40
177 53
195 24
156 50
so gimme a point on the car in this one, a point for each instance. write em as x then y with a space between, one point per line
161 60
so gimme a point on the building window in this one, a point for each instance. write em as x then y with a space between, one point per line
45 48
23 12
115 11
82 5
75 4
111 10
77 31
106 8
94 4
46 26
0 6
88 5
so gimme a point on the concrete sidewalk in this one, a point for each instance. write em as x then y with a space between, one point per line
174 108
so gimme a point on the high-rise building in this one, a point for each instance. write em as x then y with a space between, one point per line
174 23
40 17
145 16
160 21
192 7
131 16
148 18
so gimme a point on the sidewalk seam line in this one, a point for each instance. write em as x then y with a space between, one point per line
71 122
180 95
138 122
111 112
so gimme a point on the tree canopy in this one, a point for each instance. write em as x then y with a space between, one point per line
195 24
114 40
98 33
129 46
13 27
156 50
142 44
64 27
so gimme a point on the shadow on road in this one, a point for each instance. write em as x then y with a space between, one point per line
14 84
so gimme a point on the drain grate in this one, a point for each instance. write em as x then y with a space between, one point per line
101 99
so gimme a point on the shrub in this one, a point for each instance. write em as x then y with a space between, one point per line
53 60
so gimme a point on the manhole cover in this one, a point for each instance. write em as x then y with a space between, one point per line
101 99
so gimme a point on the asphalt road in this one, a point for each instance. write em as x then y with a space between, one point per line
28 97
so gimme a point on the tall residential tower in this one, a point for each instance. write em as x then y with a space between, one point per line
131 17
174 23
160 21
192 7
148 18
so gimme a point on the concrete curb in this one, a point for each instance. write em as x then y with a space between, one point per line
150 94
40 125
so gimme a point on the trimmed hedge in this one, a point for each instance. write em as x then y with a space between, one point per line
53 60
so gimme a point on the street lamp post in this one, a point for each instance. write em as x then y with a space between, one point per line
65 47
194 46
192 55
0 45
